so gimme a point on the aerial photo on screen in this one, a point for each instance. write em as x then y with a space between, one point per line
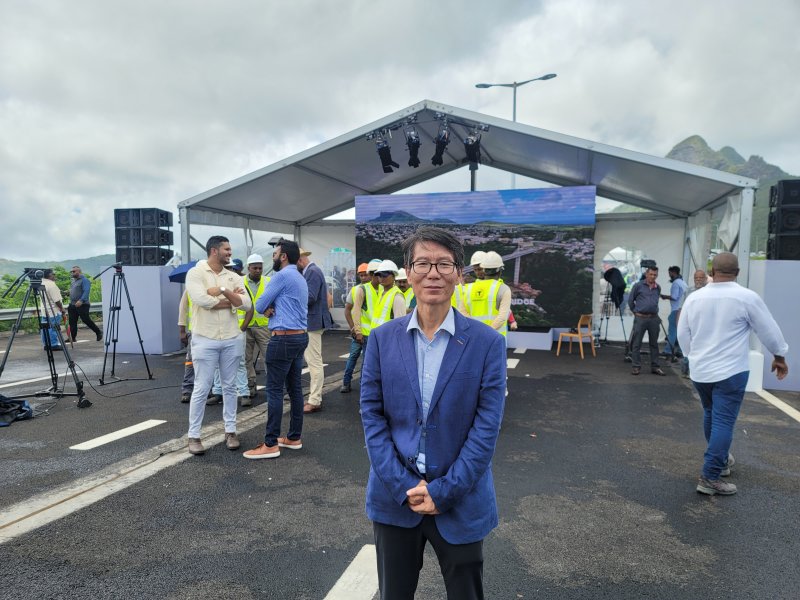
545 236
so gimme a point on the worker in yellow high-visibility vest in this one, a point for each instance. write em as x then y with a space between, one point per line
257 330
489 299
365 298
391 304
401 281
459 299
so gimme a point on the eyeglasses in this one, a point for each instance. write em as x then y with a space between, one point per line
423 267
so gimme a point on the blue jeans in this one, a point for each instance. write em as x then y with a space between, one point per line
355 351
721 402
51 331
672 332
284 366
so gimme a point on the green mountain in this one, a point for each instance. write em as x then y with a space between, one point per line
90 266
695 150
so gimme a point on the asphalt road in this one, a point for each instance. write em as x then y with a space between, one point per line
595 474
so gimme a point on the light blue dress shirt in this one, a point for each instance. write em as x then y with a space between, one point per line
287 291
430 354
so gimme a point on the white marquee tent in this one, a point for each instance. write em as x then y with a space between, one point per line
295 195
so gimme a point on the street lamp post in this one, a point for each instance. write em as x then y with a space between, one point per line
514 85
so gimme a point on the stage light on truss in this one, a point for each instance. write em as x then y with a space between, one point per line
472 146
442 139
385 154
413 144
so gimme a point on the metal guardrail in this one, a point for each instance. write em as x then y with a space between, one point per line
10 314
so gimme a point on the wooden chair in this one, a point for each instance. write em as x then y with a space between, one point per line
584 322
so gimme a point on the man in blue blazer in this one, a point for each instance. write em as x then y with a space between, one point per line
432 392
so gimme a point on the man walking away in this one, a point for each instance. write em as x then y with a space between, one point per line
714 331
319 319
79 304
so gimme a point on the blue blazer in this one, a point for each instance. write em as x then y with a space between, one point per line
319 317
461 431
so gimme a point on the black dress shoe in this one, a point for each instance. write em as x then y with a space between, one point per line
657 371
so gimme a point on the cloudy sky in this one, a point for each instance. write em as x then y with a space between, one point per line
141 103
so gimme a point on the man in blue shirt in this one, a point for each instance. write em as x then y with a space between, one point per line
677 294
285 302
432 390
79 304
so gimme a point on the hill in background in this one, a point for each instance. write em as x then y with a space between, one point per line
90 266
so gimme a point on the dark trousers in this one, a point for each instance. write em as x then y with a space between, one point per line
81 311
640 326
400 551
284 368
188 368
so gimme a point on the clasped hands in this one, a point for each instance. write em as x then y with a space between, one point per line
420 501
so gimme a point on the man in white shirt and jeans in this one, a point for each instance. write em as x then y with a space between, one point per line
714 330
216 294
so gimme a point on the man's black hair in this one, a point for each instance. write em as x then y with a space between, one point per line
215 241
47 273
438 236
675 269
291 249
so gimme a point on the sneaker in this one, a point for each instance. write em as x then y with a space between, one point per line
726 470
245 401
285 442
658 371
214 399
263 451
231 441
196 446
185 398
636 370
716 486
345 389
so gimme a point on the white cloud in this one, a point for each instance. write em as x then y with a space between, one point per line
146 103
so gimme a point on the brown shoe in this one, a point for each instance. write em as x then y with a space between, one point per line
311 408
231 441
263 451
285 442
196 446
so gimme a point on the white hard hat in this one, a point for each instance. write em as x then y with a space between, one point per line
477 258
401 274
387 266
492 261
254 258
373 265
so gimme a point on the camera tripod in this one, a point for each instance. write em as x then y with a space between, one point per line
607 311
112 327
44 315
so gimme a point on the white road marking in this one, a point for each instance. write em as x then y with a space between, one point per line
117 435
359 580
24 381
519 350
344 355
780 404
511 363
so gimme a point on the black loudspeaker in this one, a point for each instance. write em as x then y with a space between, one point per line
155 256
154 217
127 217
128 237
152 236
784 221
783 247
129 256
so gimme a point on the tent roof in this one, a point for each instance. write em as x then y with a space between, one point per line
322 181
